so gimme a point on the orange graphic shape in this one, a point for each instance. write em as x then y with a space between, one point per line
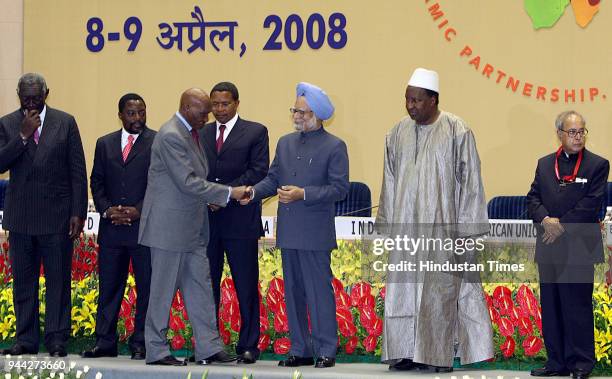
584 10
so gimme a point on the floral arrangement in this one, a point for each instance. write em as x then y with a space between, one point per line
514 308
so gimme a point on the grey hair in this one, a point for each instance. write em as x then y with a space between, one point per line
32 78
564 115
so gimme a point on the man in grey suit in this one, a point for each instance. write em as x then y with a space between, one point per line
174 224
46 203
309 173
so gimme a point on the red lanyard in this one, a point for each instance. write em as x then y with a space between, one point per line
567 178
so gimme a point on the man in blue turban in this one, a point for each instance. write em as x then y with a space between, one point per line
309 173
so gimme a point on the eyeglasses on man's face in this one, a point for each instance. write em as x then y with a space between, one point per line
573 133
300 112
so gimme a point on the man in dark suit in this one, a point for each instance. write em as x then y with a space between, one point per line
564 200
118 185
174 224
46 204
309 173
237 153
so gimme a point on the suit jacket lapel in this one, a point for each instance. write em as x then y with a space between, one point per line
208 137
47 137
236 133
115 147
197 150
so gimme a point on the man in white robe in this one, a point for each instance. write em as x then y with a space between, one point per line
432 188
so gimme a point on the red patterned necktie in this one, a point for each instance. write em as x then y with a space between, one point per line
128 147
36 136
220 139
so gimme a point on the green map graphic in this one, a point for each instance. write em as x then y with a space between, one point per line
545 13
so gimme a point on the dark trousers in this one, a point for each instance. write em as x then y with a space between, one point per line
113 266
566 296
308 290
242 256
26 254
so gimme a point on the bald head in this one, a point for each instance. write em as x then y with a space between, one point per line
195 107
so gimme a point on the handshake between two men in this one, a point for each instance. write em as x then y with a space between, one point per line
244 195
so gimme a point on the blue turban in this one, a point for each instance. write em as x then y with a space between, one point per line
317 99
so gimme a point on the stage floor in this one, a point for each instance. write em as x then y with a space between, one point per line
124 368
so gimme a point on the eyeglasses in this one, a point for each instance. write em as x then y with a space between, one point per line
573 133
301 112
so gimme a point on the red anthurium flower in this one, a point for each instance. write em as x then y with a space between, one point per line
264 323
176 323
224 313
525 326
369 343
347 328
273 299
282 345
523 312
126 309
538 320
527 300
505 305
494 314
226 336
532 345
506 328
359 290
376 328
337 285
351 344
342 299
281 324
502 291
507 347
489 300
367 301
514 315
235 322
178 303
277 284
282 309
132 295
185 315
228 295
367 317
177 342
344 313
264 342
232 308
129 325
228 283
